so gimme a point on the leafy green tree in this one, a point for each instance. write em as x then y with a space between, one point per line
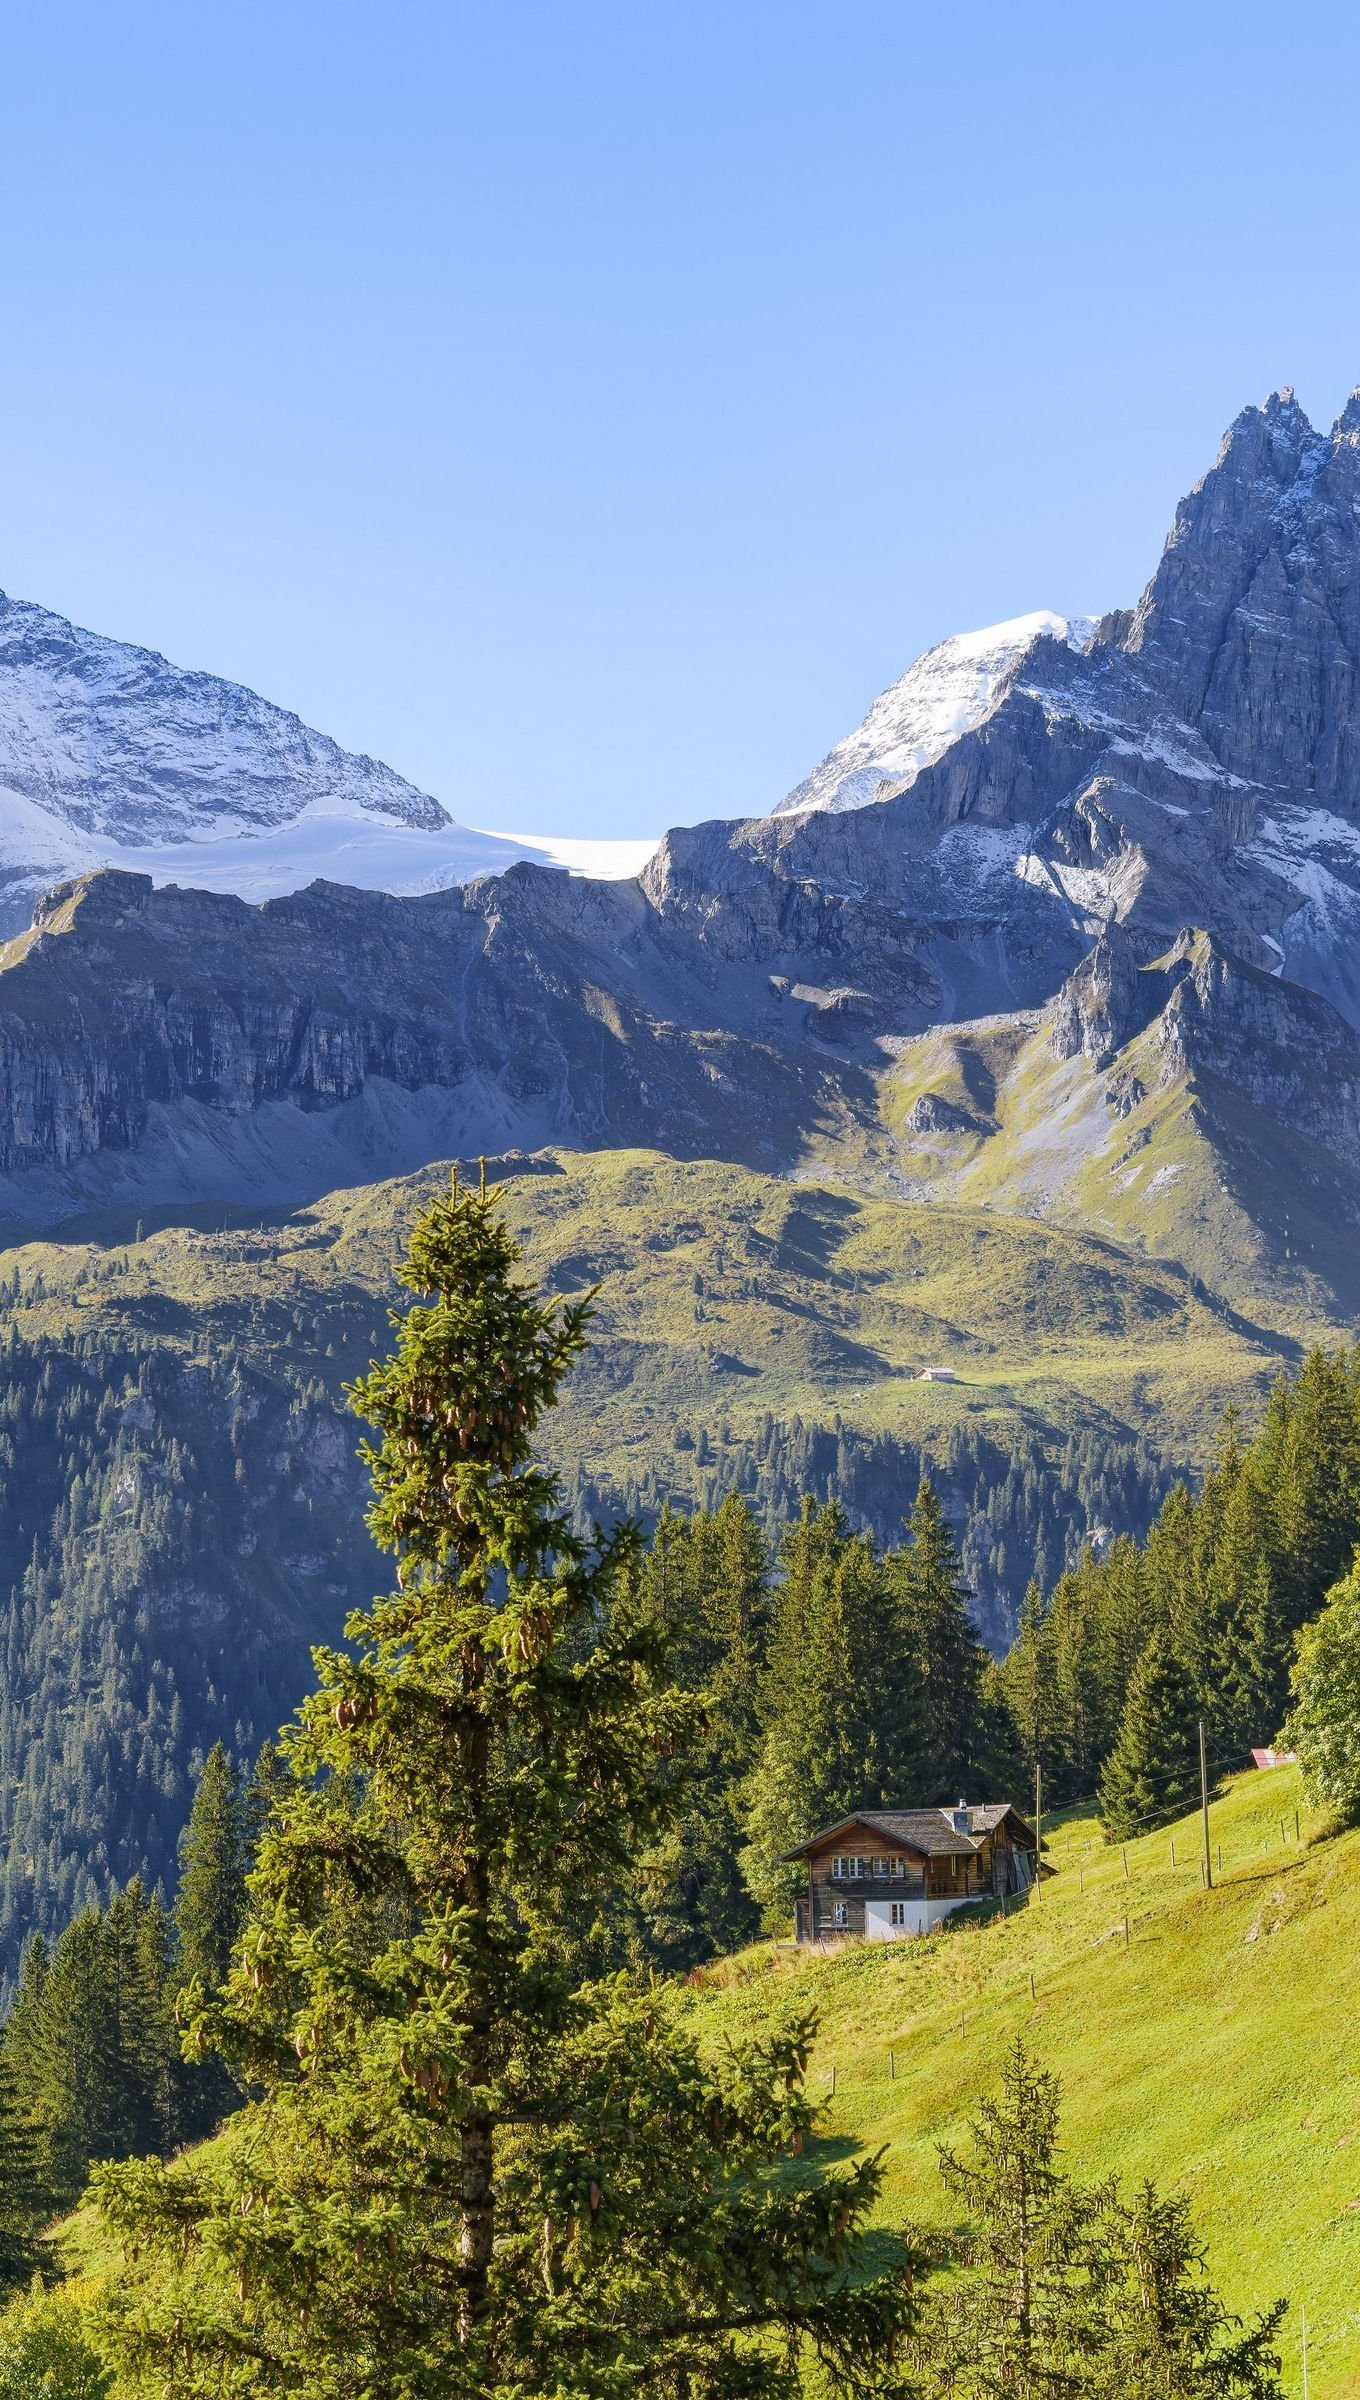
1246 1643
46 2347
1324 1722
467 2173
1152 1773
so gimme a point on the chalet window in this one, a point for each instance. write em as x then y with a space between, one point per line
897 1913
899 1866
838 1866
880 1866
840 1914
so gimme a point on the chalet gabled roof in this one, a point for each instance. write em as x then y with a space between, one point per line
987 1818
930 1832
927 1831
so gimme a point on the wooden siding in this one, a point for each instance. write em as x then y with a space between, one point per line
990 1871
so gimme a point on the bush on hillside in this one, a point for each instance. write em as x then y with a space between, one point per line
44 2350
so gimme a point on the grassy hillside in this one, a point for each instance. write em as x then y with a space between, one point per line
1214 2053
724 1294
749 1332
1185 1169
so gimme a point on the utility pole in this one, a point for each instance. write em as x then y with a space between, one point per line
1038 1832
1204 1809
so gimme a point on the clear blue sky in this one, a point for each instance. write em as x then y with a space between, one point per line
589 407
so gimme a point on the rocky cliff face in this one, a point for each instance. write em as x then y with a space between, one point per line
155 1044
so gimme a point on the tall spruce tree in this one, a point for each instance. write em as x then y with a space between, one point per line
1029 1683
1152 1773
214 1860
1309 1457
466 2174
706 1581
845 1724
215 1851
90 2042
952 1739
1324 1722
1168 2333
1246 1643
783 1797
1069 2292
26 2202
1024 2315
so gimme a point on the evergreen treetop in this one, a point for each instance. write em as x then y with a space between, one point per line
949 1657
1152 1773
214 1858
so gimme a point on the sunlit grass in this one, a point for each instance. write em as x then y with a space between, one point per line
1215 2051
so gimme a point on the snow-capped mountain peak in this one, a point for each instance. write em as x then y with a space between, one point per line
945 693
117 742
111 756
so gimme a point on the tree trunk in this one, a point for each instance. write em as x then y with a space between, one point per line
477 2151
479 2221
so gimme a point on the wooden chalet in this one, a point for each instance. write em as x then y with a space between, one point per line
888 1872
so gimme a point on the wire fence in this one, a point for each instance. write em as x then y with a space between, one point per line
1087 1878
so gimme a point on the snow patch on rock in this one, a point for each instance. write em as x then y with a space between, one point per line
946 693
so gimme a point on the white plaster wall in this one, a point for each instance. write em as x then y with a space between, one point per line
921 1915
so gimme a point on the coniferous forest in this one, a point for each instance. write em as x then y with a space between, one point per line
405 2009
176 1530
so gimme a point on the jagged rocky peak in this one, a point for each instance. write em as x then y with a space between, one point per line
1097 1009
1251 624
